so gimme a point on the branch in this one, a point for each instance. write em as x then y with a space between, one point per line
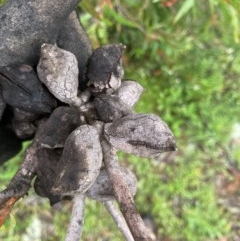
123 195
77 219
119 220
19 184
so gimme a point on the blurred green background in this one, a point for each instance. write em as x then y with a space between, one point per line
186 55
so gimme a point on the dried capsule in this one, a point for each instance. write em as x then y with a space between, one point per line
21 88
54 132
110 107
46 171
140 134
105 71
80 163
23 123
102 189
58 70
129 92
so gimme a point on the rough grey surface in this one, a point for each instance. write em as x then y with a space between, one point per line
72 37
26 24
140 134
58 70
129 92
110 107
80 163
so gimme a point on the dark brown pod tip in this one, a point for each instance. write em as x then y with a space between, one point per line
104 70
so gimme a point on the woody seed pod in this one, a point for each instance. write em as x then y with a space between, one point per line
54 132
23 123
80 163
58 70
129 92
110 107
21 88
140 134
47 160
102 189
105 71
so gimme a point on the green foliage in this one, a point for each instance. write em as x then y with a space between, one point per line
185 54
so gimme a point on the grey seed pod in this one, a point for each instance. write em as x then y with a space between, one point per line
110 107
102 189
23 129
72 37
23 123
22 115
58 70
105 71
140 134
47 160
129 92
80 163
54 132
2 105
21 88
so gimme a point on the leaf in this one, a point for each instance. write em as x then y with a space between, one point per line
186 6
235 22
109 13
88 7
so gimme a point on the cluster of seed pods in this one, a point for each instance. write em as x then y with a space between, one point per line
69 125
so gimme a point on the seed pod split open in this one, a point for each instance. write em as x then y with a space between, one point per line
58 70
140 134
80 162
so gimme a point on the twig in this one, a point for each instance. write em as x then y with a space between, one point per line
19 184
123 195
6 208
119 220
77 219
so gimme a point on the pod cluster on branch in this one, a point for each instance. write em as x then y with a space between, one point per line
69 125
